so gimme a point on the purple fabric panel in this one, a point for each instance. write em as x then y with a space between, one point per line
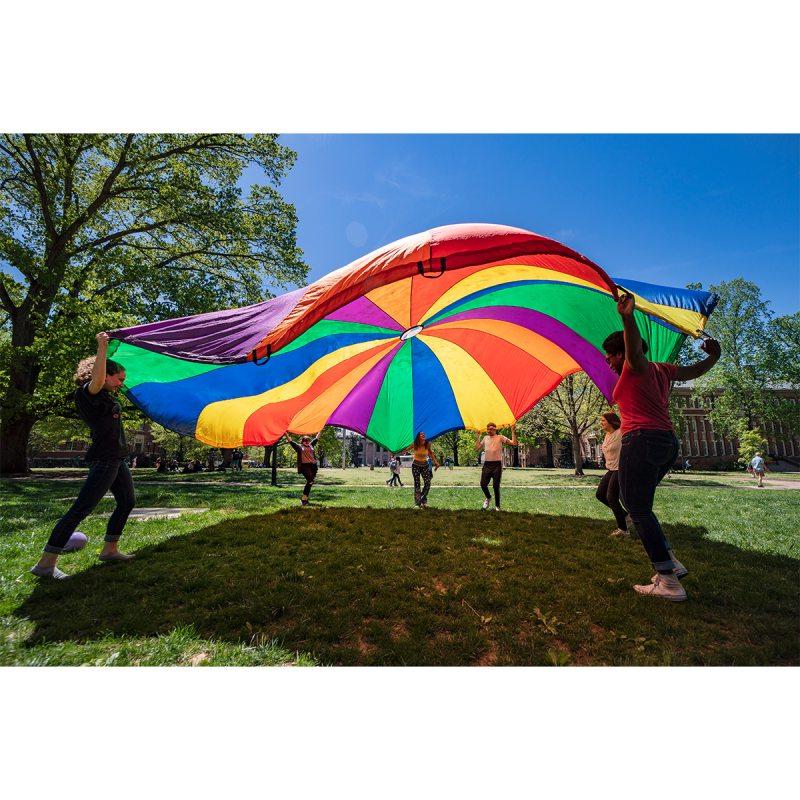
355 410
591 360
364 310
218 336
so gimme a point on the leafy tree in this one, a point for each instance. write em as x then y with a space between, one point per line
570 410
182 448
329 445
100 231
754 349
751 441
457 445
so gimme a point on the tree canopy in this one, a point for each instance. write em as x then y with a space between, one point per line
103 230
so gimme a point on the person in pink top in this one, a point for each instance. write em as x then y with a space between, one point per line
492 446
608 490
649 445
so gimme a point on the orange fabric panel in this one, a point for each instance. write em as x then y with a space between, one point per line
517 374
271 421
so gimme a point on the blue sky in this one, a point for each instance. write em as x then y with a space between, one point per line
664 209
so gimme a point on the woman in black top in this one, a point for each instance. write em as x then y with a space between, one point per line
98 380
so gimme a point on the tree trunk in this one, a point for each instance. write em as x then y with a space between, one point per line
455 448
17 421
577 454
266 455
14 435
227 456
274 476
23 378
515 456
549 446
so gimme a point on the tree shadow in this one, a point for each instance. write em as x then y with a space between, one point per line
360 586
672 480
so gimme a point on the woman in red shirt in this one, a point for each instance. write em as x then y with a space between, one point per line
649 444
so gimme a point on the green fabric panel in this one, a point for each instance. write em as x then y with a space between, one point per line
663 343
392 421
331 327
145 366
590 314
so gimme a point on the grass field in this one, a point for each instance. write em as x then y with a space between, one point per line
362 578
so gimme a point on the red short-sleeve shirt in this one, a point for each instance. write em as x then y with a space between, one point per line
643 398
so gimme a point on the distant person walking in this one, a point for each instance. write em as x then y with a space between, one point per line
307 464
649 444
394 469
98 380
492 470
608 490
759 467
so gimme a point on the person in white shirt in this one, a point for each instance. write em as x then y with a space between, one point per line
608 490
759 467
492 470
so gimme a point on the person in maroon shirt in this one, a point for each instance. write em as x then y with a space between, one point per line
649 444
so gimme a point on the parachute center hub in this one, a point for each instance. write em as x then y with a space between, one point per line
411 333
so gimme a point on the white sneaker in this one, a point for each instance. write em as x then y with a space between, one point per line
486 504
618 533
497 508
49 572
666 586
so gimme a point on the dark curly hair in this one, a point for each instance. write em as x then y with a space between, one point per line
83 372
615 343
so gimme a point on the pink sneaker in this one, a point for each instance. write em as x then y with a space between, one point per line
666 586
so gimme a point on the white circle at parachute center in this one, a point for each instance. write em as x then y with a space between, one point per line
411 333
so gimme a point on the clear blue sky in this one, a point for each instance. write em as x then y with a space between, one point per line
664 209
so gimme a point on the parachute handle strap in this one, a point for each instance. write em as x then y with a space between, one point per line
255 356
442 267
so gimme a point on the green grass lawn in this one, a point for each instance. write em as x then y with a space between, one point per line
365 579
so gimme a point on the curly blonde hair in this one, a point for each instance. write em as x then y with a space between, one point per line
83 372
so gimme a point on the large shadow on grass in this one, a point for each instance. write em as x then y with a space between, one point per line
360 586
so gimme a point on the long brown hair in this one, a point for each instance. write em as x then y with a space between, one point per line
418 441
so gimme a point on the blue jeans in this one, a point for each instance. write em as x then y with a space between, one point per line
104 476
645 458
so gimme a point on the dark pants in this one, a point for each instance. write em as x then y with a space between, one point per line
492 471
423 472
103 476
394 480
309 472
645 458
608 495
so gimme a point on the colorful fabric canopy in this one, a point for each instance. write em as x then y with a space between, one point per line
447 329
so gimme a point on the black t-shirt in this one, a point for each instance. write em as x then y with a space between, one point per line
102 413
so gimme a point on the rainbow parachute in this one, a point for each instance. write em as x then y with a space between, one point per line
446 329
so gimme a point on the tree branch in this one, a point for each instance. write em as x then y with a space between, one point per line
5 299
42 189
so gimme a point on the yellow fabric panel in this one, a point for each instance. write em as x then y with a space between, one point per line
314 416
477 397
682 318
497 276
549 353
221 424
395 300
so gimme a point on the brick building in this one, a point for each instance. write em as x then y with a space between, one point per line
71 452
